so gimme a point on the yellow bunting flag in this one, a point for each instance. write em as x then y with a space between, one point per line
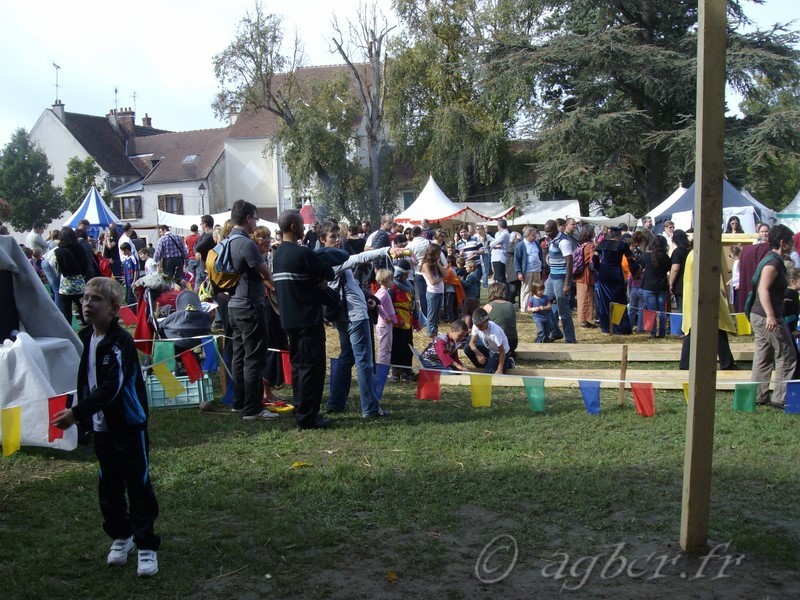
685 385
481 388
617 312
742 324
172 387
11 429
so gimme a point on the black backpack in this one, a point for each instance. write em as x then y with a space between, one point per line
334 302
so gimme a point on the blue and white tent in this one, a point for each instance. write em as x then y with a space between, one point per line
94 210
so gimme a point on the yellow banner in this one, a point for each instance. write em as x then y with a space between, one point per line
686 391
172 387
481 389
11 429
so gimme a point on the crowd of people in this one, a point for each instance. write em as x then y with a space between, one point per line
376 288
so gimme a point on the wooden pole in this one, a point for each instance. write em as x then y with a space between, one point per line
709 168
623 372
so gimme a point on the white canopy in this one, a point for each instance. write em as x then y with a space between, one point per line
790 216
666 203
186 221
627 218
537 212
431 204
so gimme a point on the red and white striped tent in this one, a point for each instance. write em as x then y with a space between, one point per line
432 204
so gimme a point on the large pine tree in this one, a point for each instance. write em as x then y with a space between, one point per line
611 91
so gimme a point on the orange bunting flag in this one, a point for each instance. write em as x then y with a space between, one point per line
742 324
126 316
54 406
481 390
617 312
429 385
648 320
191 366
172 387
643 398
11 429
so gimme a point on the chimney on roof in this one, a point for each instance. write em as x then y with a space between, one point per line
58 110
147 121
126 118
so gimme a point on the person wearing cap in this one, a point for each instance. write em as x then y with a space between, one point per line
488 346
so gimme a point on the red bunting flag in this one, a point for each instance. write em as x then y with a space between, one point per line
286 362
643 398
127 316
429 385
144 330
648 320
193 370
54 406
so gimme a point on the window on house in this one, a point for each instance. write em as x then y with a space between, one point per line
408 199
171 203
128 207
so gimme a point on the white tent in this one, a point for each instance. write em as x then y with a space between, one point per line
538 212
480 212
680 191
93 209
431 204
790 216
627 218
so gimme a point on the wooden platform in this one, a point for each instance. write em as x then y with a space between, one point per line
667 351
662 379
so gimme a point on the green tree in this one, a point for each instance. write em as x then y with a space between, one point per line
611 91
26 183
316 113
772 150
440 115
81 175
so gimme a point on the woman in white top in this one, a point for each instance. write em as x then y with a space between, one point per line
433 272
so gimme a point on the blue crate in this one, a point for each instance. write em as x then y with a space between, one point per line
196 393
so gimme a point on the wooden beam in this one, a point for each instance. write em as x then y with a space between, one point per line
639 352
709 172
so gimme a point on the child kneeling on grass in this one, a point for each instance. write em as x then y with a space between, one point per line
111 390
442 353
488 346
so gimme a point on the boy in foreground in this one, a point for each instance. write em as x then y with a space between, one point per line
488 346
111 391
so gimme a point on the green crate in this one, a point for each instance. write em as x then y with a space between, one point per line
200 391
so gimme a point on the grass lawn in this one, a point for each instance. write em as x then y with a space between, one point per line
412 506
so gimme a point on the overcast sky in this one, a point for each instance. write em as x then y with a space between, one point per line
159 50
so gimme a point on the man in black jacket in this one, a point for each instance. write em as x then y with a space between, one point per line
300 276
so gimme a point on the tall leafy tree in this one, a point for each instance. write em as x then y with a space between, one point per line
81 175
611 99
363 49
440 114
317 114
26 183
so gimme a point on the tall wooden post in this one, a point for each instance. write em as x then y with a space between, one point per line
710 169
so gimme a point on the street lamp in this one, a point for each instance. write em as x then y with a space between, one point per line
202 190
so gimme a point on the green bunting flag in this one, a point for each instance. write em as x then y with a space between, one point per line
744 396
534 390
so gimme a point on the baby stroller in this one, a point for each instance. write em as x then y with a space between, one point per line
186 325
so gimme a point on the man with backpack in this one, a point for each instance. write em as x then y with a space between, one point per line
246 316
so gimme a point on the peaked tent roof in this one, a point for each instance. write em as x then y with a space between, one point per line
431 204
679 191
790 215
93 209
731 198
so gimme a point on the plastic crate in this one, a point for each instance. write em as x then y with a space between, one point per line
200 391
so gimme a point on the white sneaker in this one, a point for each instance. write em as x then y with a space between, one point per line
264 415
118 554
148 563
